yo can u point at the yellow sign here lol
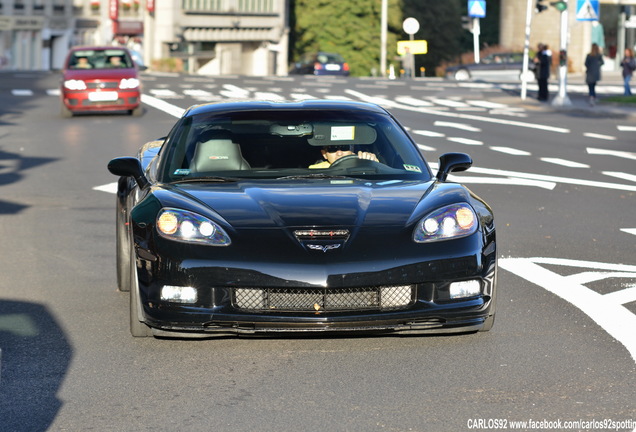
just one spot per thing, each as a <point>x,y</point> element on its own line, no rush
<point>414,46</point>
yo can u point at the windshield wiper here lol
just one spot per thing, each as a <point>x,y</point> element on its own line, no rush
<point>215,179</point>
<point>313,176</point>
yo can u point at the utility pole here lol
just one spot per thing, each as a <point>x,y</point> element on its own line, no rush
<point>383,37</point>
<point>526,52</point>
<point>562,99</point>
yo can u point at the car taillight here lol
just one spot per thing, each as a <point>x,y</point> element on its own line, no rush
<point>345,66</point>
<point>317,66</point>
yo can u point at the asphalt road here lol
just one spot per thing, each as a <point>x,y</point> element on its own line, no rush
<point>562,352</point>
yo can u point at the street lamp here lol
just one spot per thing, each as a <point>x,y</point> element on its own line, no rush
<point>562,99</point>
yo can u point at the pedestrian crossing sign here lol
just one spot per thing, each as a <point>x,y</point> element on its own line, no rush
<point>477,8</point>
<point>587,10</point>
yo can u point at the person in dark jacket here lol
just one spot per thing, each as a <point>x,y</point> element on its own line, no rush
<point>629,66</point>
<point>543,62</point>
<point>593,63</point>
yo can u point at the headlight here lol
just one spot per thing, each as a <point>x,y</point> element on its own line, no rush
<point>75,84</point>
<point>450,222</point>
<point>189,227</point>
<point>129,83</point>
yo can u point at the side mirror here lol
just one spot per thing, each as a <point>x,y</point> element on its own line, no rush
<point>129,167</point>
<point>452,162</point>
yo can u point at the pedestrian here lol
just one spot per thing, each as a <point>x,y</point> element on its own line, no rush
<point>629,66</point>
<point>542,63</point>
<point>408,63</point>
<point>593,63</point>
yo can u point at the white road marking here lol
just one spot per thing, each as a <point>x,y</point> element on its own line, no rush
<point>486,104</point>
<point>620,175</point>
<point>268,96</point>
<point>564,162</point>
<point>197,93</point>
<point>164,106</point>
<point>302,96</point>
<point>426,148</point>
<point>461,126</point>
<point>608,310</point>
<point>599,136</point>
<point>501,181</point>
<point>465,141</point>
<point>233,92</point>
<point>629,230</point>
<point>617,153</point>
<point>429,133</point>
<point>510,151</point>
<point>413,101</point>
<point>53,92</point>
<point>109,188</point>
<point>626,128</point>
<point>431,111</point>
<point>165,94</point>
<point>557,180</point>
<point>449,103</point>
<point>22,92</point>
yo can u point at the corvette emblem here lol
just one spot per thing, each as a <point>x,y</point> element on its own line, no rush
<point>323,248</point>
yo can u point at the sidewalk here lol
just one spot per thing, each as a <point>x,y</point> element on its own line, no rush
<point>576,91</point>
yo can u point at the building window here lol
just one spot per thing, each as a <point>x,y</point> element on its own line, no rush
<point>205,5</point>
<point>229,6</point>
<point>256,6</point>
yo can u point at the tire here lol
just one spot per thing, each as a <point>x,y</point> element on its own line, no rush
<point>462,75</point>
<point>65,112</point>
<point>137,112</point>
<point>123,249</point>
<point>137,328</point>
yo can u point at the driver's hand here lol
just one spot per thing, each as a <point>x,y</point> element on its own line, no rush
<point>368,155</point>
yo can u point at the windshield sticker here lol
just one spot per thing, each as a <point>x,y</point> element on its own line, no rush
<point>412,168</point>
<point>343,133</point>
<point>182,172</point>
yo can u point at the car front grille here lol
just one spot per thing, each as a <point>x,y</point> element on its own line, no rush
<point>103,85</point>
<point>326,299</point>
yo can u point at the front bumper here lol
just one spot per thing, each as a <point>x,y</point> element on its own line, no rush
<point>218,309</point>
<point>80,101</point>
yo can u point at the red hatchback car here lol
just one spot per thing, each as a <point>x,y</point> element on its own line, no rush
<point>100,79</point>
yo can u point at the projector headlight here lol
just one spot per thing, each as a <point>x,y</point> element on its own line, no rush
<point>450,222</point>
<point>189,227</point>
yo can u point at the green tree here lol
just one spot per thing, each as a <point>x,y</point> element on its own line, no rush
<point>441,26</point>
<point>348,27</point>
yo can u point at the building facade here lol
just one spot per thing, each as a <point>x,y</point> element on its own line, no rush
<point>34,34</point>
<point>217,37</point>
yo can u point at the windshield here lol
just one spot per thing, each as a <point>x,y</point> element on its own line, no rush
<point>290,144</point>
<point>100,59</point>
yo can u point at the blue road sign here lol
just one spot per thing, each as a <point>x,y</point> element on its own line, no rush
<point>477,8</point>
<point>587,10</point>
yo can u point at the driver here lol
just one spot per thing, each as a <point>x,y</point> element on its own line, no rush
<point>333,153</point>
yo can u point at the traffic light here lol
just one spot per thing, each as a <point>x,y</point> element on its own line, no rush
<point>540,7</point>
<point>560,5</point>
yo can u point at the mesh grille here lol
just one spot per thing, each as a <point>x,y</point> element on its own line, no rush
<point>330,299</point>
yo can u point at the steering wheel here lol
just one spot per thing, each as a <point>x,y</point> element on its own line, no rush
<point>343,159</point>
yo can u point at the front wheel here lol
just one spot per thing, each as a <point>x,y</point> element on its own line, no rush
<point>137,112</point>
<point>65,112</point>
<point>123,256</point>
<point>137,328</point>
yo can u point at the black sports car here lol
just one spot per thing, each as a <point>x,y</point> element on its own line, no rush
<point>307,216</point>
